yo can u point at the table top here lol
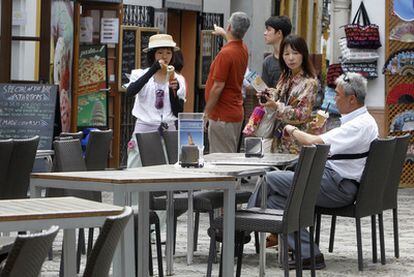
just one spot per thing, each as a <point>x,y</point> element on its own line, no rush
<point>150,174</point>
<point>227,170</point>
<point>54,207</point>
<point>269,159</point>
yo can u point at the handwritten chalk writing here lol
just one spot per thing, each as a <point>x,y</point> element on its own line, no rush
<point>27,110</point>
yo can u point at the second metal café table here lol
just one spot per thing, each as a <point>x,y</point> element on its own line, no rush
<point>145,180</point>
<point>69,213</point>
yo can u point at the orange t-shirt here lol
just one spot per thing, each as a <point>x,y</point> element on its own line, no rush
<point>229,66</point>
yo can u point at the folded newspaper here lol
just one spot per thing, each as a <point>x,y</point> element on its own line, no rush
<point>256,81</point>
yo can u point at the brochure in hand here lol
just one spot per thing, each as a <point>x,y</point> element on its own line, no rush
<point>256,81</point>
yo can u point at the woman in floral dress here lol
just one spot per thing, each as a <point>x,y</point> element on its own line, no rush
<point>292,100</point>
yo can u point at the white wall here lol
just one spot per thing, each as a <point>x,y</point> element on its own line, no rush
<point>217,6</point>
<point>376,88</point>
<point>258,12</point>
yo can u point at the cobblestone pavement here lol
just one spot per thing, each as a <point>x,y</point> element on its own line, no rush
<point>342,262</point>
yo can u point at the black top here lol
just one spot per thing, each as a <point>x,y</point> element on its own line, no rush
<point>271,71</point>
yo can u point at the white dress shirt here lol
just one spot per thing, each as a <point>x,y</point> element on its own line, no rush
<point>358,129</point>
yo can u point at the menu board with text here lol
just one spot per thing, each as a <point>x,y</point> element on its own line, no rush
<point>27,110</point>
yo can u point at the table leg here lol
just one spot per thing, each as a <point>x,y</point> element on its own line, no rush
<point>124,258</point>
<point>169,244</point>
<point>262,236</point>
<point>35,191</point>
<point>69,253</point>
<point>190,229</point>
<point>228,231</point>
<point>143,234</point>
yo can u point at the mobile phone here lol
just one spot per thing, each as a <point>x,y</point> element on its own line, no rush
<point>263,99</point>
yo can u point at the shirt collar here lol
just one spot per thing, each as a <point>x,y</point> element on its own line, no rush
<point>349,116</point>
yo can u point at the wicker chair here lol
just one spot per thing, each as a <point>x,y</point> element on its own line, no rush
<point>28,253</point>
<point>390,194</point>
<point>19,169</point>
<point>97,149</point>
<point>100,259</point>
<point>271,221</point>
<point>68,157</point>
<point>153,220</point>
<point>6,149</point>
<point>373,182</point>
<point>152,153</point>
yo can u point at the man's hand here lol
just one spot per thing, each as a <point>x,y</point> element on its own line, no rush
<point>219,31</point>
<point>302,137</point>
<point>205,122</point>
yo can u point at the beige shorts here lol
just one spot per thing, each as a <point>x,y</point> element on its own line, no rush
<point>223,137</point>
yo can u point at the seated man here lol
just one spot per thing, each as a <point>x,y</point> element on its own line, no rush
<point>341,178</point>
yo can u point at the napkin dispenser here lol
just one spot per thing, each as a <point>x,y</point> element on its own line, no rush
<point>253,147</point>
<point>190,156</point>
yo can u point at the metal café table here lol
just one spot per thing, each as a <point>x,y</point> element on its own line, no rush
<point>144,180</point>
<point>271,160</point>
<point>69,213</point>
<point>236,171</point>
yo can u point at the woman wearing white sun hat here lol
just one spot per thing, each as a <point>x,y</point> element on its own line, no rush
<point>159,92</point>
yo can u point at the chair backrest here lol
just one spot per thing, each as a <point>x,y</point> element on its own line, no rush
<point>100,259</point>
<point>300,179</point>
<point>374,177</point>
<point>20,167</point>
<point>307,209</point>
<point>391,188</point>
<point>6,149</point>
<point>28,253</point>
<point>77,135</point>
<point>97,149</point>
<point>68,155</point>
<point>171,143</point>
<point>150,148</point>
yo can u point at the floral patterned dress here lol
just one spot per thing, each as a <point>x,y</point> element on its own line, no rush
<point>297,96</point>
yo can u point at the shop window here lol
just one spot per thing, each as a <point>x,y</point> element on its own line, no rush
<point>26,18</point>
<point>24,40</point>
<point>25,60</point>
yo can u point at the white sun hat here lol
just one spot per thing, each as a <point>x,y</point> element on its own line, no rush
<point>160,41</point>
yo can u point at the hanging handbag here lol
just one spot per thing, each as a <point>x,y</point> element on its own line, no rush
<point>334,71</point>
<point>365,35</point>
<point>368,70</point>
<point>356,54</point>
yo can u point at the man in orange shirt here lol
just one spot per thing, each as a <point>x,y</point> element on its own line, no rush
<point>224,101</point>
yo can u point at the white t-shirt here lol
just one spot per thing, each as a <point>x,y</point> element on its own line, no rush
<point>144,106</point>
<point>358,129</point>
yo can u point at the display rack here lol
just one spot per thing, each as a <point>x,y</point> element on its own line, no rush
<point>392,110</point>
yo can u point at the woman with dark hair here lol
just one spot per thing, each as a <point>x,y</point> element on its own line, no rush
<point>292,100</point>
<point>158,90</point>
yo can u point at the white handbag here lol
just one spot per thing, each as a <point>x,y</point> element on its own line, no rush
<point>356,54</point>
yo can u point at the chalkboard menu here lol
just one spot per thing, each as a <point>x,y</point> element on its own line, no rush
<point>27,110</point>
<point>128,54</point>
<point>144,35</point>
